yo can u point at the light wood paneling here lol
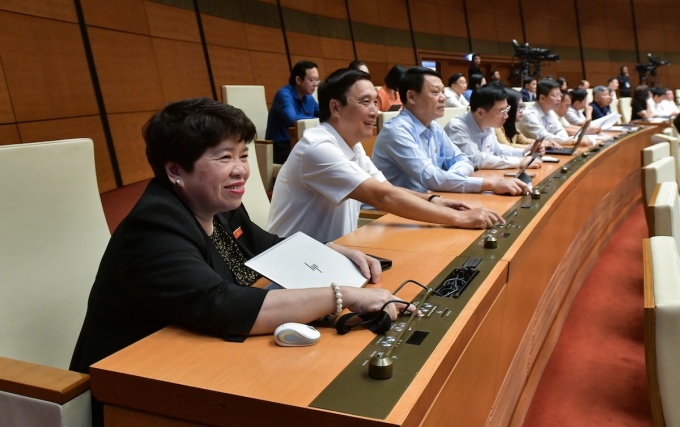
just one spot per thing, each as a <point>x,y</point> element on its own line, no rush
<point>270,70</point>
<point>230,66</point>
<point>182,69</point>
<point>122,15</point>
<point>304,45</point>
<point>127,71</point>
<point>223,32</point>
<point>80,127</point>
<point>6,111</point>
<point>126,130</point>
<point>62,10</point>
<point>265,39</point>
<point>9,134</point>
<point>45,68</point>
<point>171,22</point>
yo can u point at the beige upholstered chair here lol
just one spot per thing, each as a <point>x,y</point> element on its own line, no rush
<point>302,125</point>
<point>53,233</point>
<point>664,211</point>
<point>528,104</point>
<point>673,142</point>
<point>625,109</point>
<point>662,170</point>
<point>255,199</point>
<point>449,113</point>
<point>384,116</point>
<point>589,96</point>
<point>655,152</point>
<point>252,100</point>
<point>662,327</point>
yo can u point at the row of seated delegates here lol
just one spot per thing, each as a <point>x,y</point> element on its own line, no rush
<point>455,92</point>
<point>291,103</point>
<point>413,151</point>
<point>178,257</point>
<point>508,134</point>
<point>388,94</point>
<point>662,103</point>
<point>602,98</point>
<point>476,80</point>
<point>529,89</point>
<point>540,119</point>
<point>625,89</point>
<point>328,175</point>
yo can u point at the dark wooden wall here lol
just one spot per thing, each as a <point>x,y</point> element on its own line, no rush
<point>100,68</point>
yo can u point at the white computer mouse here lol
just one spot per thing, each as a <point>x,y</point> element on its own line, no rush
<point>296,334</point>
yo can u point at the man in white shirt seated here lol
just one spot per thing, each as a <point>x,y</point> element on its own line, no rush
<point>579,111</point>
<point>668,106</point>
<point>320,188</point>
<point>474,134</point>
<point>413,151</point>
<point>455,93</point>
<point>540,120</point>
<point>655,102</point>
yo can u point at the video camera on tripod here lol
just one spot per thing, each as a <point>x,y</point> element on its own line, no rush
<point>648,71</point>
<point>530,59</point>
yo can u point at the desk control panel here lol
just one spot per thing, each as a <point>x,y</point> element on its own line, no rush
<point>375,380</point>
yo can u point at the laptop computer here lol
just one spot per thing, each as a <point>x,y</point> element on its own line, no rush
<point>568,151</point>
<point>303,262</point>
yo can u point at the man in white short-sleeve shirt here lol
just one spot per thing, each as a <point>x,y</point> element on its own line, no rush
<point>327,176</point>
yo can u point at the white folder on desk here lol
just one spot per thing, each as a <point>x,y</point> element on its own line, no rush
<point>606,122</point>
<point>303,262</point>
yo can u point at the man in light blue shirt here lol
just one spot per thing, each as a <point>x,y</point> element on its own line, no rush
<point>413,152</point>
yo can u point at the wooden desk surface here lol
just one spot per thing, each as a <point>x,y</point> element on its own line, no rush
<point>485,368</point>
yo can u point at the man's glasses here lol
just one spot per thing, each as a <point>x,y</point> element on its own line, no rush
<point>504,111</point>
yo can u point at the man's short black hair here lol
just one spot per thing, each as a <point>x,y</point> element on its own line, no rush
<point>545,86</point>
<point>528,80</point>
<point>336,87</point>
<point>486,96</point>
<point>393,77</point>
<point>578,94</point>
<point>454,78</point>
<point>413,80</point>
<point>300,70</point>
<point>356,64</point>
<point>658,91</point>
<point>475,81</point>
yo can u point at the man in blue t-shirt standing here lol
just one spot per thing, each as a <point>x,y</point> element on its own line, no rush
<point>292,102</point>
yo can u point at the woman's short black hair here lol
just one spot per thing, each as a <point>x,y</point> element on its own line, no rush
<point>183,130</point>
<point>510,127</point>
<point>393,77</point>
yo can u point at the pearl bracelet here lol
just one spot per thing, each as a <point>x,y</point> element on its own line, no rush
<point>338,298</point>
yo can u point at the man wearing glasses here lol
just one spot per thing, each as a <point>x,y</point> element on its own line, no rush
<point>291,103</point>
<point>474,132</point>
<point>413,151</point>
<point>540,119</point>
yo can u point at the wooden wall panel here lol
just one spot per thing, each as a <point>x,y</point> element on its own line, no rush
<point>61,10</point>
<point>265,39</point>
<point>387,14</point>
<point>231,66</point>
<point>79,127</point>
<point>6,111</point>
<point>182,69</point>
<point>9,134</point>
<point>130,149</point>
<point>122,15</point>
<point>227,33</point>
<point>45,68</point>
<point>172,23</point>
<point>270,70</point>
<point>127,71</point>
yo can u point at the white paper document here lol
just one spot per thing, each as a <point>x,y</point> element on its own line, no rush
<point>606,122</point>
<point>303,262</point>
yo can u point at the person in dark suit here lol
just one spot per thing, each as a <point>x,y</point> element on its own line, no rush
<point>474,67</point>
<point>529,89</point>
<point>601,100</point>
<point>178,257</point>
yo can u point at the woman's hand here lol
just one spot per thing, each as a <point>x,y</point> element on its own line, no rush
<point>369,266</point>
<point>366,300</point>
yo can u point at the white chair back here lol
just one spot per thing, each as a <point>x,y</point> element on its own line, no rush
<point>662,170</point>
<point>625,109</point>
<point>53,233</point>
<point>662,328</point>
<point>655,152</point>
<point>589,96</point>
<point>255,199</point>
<point>302,125</point>
<point>384,116</point>
<point>449,113</point>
